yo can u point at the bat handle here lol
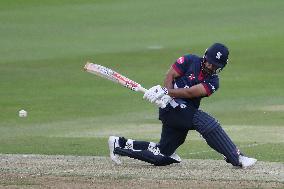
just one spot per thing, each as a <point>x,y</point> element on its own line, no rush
<point>141,89</point>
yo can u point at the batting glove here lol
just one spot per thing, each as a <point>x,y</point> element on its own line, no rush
<point>164,101</point>
<point>154,93</point>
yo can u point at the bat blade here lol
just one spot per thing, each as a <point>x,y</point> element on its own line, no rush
<point>113,76</point>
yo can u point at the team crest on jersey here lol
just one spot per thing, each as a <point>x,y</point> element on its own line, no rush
<point>191,76</point>
<point>180,60</point>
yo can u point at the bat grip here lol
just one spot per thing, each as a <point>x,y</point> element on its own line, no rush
<point>142,89</point>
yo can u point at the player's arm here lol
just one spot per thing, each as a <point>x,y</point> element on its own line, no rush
<point>170,76</point>
<point>194,91</point>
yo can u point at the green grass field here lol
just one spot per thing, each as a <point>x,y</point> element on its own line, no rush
<point>44,45</point>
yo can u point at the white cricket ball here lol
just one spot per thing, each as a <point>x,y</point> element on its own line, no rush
<point>23,113</point>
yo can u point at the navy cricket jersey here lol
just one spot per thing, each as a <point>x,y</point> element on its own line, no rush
<point>189,67</point>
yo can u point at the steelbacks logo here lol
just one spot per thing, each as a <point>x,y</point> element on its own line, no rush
<point>191,76</point>
<point>180,60</point>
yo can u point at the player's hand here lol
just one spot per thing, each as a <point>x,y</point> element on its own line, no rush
<point>158,95</point>
<point>163,101</point>
<point>154,93</point>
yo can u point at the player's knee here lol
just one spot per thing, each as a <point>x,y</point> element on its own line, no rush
<point>160,158</point>
<point>156,158</point>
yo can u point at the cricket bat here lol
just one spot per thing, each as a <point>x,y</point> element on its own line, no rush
<point>112,75</point>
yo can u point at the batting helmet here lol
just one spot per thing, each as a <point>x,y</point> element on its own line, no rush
<point>217,55</point>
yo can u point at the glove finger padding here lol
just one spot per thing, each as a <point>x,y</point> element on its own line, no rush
<point>160,104</point>
<point>150,96</point>
<point>150,92</point>
<point>160,91</point>
<point>164,101</point>
<point>153,93</point>
<point>158,95</point>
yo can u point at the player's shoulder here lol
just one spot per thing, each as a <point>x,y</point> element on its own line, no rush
<point>191,58</point>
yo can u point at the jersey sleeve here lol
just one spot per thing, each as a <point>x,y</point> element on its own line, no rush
<point>181,64</point>
<point>211,85</point>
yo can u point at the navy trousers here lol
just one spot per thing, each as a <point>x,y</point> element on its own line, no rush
<point>178,121</point>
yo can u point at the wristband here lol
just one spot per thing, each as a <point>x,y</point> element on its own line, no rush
<point>166,92</point>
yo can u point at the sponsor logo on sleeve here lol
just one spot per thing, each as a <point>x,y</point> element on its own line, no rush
<point>180,60</point>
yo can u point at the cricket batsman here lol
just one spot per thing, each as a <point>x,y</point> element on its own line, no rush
<point>188,80</point>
